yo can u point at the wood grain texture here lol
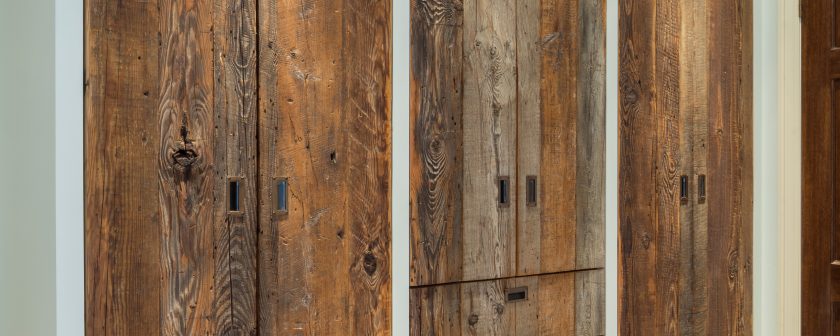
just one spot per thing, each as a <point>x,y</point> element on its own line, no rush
<point>685,85</point>
<point>490,139</point>
<point>151,224</point>
<point>436,159</point>
<point>235,46</point>
<point>819,167</point>
<point>324,267</point>
<point>557,304</point>
<point>122,211</point>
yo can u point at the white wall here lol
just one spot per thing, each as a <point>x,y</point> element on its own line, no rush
<point>27,148</point>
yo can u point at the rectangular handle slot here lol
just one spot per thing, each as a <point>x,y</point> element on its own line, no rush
<point>517,294</point>
<point>504,191</point>
<point>531,191</point>
<point>282,196</point>
<point>684,189</point>
<point>701,188</point>
<point>233,195</point>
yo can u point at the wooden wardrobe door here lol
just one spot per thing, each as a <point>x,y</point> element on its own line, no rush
<point>325,113</point>
<point>165,129</point>
<point>685,167</point>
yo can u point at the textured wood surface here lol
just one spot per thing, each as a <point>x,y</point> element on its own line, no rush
<point>685,110</point>
<point>557,304</point>
<point>173,113</point>
<point>820,105</point>
<point>515,89</point>
<point>325,126</point>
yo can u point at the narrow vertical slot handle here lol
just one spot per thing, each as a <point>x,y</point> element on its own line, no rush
<point>684,189</point>
<point>504,191</point>
<point>233,194</point>
<point>282,196</point>
<point>701,189</point>
<point>531,191</point>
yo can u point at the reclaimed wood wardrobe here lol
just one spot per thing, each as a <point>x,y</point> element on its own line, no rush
<point>237,167</point>
<point>507,167</point>
<point>685,167</point>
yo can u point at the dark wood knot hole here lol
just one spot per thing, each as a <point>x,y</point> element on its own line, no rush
<point>370,263</point>
<point>184,157</point>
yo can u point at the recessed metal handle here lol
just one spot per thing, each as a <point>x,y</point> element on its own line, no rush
<point>233,194</point>
<point>684,189</point>
<point>517,294</point>
<point>282,196</point>
<point>504,191</point>
<point>531,191</point>
<point>701,189</point>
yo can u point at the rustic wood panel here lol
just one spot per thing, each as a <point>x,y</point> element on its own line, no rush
<point>235,45</point>
<point>436,160</point>
<point>490,138</point>
<point>819,167</point>
<point>557,304</point>
<point>324,267</point>
<point>152,217</point>
<point>685,109</point>
<point>122,209</point>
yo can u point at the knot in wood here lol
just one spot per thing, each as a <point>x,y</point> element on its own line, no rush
<point>370,263</point>
<point>473,319</point>
<point>500,309</point>
<point>184,157</point>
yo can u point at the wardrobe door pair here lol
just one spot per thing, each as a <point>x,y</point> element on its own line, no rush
<point>507,164</point>
<point>237,167</point>
<point>685,167</point>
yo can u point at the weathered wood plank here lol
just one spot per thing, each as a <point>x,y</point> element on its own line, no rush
<point>730,168</point>
<point>490,140</point>
<point>235,62</point>
<point>483,310</point>
<point>590,189</point>
<point>694,114</point>
<point>436,157</point>
<point>367,135</point>
<point>122,215</point>
<point>556,296</point>
<point>637,157</point>
<point>303,264</point>
<point>590,303</point>
<point>186,160</point>
<point>438,310</point>
<point>529,135</point>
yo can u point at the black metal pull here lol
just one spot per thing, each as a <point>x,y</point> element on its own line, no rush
<point>504,191</point>
<point>531,191</point>
<point>517,294</point>
<point>282,195</point>
<point>684,189</point>
<point>701,188</point>
<point>233,194</point>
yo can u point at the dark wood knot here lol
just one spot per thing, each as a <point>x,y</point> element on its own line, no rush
<point>473,319</point>
<point>370,263</point>
<point>184,157</point>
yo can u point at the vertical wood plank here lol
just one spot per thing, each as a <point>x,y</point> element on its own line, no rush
<point>483,310</point>
<point>490,140</point>
<point>436,157</point>
<point>590,189</point>
<point>367,131</point>
<point>122,214</point>
<point>235,64</point>
<point>590,303</point>
<point>558,164</point>
<point>529,135</point>
<point>694,114</point>
<point>637,155</point>
<point>556,295</point>
<point>438,310</point>
<point>730,168</point>
<point>303,265</point>
<point>186,160</point>
<point>526,314</point>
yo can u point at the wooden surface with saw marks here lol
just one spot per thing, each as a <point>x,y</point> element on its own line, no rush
<point>181,97</point>
<point>685,74</point>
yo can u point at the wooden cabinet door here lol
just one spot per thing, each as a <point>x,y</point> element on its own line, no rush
<point>237,167</point>
<point>820,138</point>
<point>507,154</point>
<point>685,167</point>
<point>556,304</point>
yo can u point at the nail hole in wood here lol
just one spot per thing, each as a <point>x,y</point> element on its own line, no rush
<point>332,157</point>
